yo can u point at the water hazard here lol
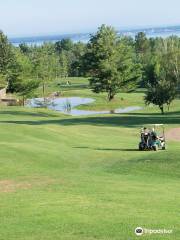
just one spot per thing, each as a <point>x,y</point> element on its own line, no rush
<point>69,106</point>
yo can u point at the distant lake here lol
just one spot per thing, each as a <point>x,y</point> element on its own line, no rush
<point>84,37</point>
<point>39,40</point>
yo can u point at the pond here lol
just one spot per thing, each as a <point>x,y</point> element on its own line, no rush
<point>68,106</point>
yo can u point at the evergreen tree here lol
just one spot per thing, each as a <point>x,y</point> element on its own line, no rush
<point>9,69</point>
<point>110,63</point>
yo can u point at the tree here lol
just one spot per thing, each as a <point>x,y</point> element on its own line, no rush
<point>110,63</point>
<point>8,64</point>
<point>143,53</point>
<point>64,45</point>
<point>141,43</point>
<point>160,94</point>
<point>24,48</point>
<point>25,88</point>
<point>171,61</point>
<point>5,53</point>
<point>161,89</point>
<point>45,66</point>
<point>63,61</point>
<point>12,75</point>
<point>76,66</point>
<point>20,68</point>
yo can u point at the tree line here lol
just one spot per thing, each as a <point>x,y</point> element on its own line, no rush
<point>113,63</point>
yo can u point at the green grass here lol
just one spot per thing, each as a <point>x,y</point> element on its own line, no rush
<point>81,178</point>
<point>60,85</point>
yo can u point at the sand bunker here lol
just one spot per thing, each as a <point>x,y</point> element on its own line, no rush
<point>173,134</point>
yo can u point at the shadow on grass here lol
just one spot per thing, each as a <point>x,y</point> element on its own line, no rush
<point>118,149</point>
<point>110,149</point>
<point>24,113</point>
<point>132,120</point>
<point>154,114</point>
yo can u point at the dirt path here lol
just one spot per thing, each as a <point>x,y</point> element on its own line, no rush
<point>173,134</point>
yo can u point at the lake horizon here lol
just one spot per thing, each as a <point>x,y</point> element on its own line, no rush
<point>153,32</point>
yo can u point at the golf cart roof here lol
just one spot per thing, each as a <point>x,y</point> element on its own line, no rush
<point>157,125</point>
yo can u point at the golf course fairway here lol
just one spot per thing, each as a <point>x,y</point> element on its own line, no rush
<point>82,178</point>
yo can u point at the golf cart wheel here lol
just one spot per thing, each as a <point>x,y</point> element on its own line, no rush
<point>155,148</point>
<point>141,147</point>
<point>164,148</point>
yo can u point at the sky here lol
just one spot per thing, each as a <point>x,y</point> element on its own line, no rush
<point>44,17</point>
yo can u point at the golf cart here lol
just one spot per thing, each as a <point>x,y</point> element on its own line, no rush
<point>150,140</point>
